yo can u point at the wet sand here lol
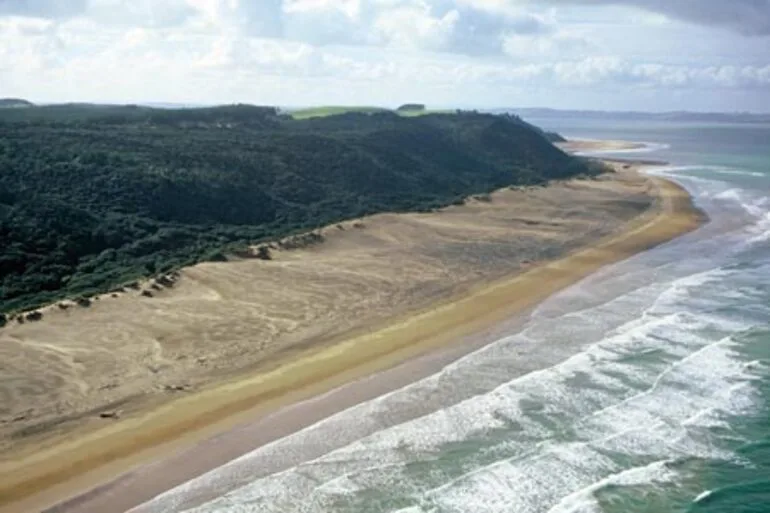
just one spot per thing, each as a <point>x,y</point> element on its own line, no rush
<point>166,443</point>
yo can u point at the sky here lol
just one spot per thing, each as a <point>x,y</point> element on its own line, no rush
<point>652,55</point>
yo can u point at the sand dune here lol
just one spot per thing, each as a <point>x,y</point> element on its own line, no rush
<point>128,353</point>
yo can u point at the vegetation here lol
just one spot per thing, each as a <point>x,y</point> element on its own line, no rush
<point>14,103</point>
<point>554,137</point>
<point>412,113</point>
<point>411,107</point>
<point>92,198</point>
<point>407,110</point>
<point>320,112</point>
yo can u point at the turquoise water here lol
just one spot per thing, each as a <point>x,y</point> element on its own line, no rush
<point>644,388</point>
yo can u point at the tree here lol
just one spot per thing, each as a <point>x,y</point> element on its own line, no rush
<point>411,107</point>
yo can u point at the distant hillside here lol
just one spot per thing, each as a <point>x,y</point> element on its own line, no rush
<point>702,117</point>
<point>92,197</point>
<point>108,115</point>
<point>14,102</point>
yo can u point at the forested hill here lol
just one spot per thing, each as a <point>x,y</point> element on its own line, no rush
<point>94,197</point>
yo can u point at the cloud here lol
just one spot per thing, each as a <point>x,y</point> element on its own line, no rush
<point>616,74</point>
<point>43,8</point>
<point>456,26</point>
<point>749,17</point>
<point>325,22</point>
<point>416,27</point>
<point>562,43</point>
<point>28,45</point>
<point>482,31</point>
<point>259,18</point>
<point>140,13</point>
<point>341,51</point>
<point>470,27</point>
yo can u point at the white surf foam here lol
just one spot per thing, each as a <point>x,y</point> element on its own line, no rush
<point>736,172</point>
<point>703,496</point>
<point>584,501</point>
<point>648,386</point>
<point>656,423</point>
<point>647,423</point>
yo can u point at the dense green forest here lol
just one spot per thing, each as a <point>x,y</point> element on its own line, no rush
<point>94,197</point>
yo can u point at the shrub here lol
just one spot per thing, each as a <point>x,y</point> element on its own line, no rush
<point>34,316</point>
<point>166,280</point>
<point>263,253</point>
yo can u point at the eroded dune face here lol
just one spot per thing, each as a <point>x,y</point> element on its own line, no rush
<point>221,318</point>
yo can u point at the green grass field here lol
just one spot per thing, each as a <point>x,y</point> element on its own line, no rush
<point>320,112</point>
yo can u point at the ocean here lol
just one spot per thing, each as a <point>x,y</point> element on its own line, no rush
<point>644,388</point>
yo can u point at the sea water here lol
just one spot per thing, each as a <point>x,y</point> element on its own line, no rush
<point>644,388</point>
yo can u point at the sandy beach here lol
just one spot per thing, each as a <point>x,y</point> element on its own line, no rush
<point>237,350</point>
<point>592,145</point>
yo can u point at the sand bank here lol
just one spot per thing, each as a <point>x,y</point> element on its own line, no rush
<point>597,145</point>
<point>244,339</point>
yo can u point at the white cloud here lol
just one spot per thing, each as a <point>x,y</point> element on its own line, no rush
<point>493,52</point>
<point>42,8</point>
<point>140,12</point>
<point>325,22</point>
<point>566,44</point>
<point>29,45</point>
<point>751,17</point>
<point>415,27</point>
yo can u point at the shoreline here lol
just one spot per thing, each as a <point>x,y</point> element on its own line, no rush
<point>582,146</point>
<point>310,384</point>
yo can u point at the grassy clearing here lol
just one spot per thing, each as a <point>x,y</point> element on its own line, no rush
<point>320,112</point>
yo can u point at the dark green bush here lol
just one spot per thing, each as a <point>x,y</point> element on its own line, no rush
<point>93,198</point>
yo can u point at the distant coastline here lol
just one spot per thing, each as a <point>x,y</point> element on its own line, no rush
<point>682,116</point>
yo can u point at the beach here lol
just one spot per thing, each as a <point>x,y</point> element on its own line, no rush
<point>314,359</point>
<point>600,145</point>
